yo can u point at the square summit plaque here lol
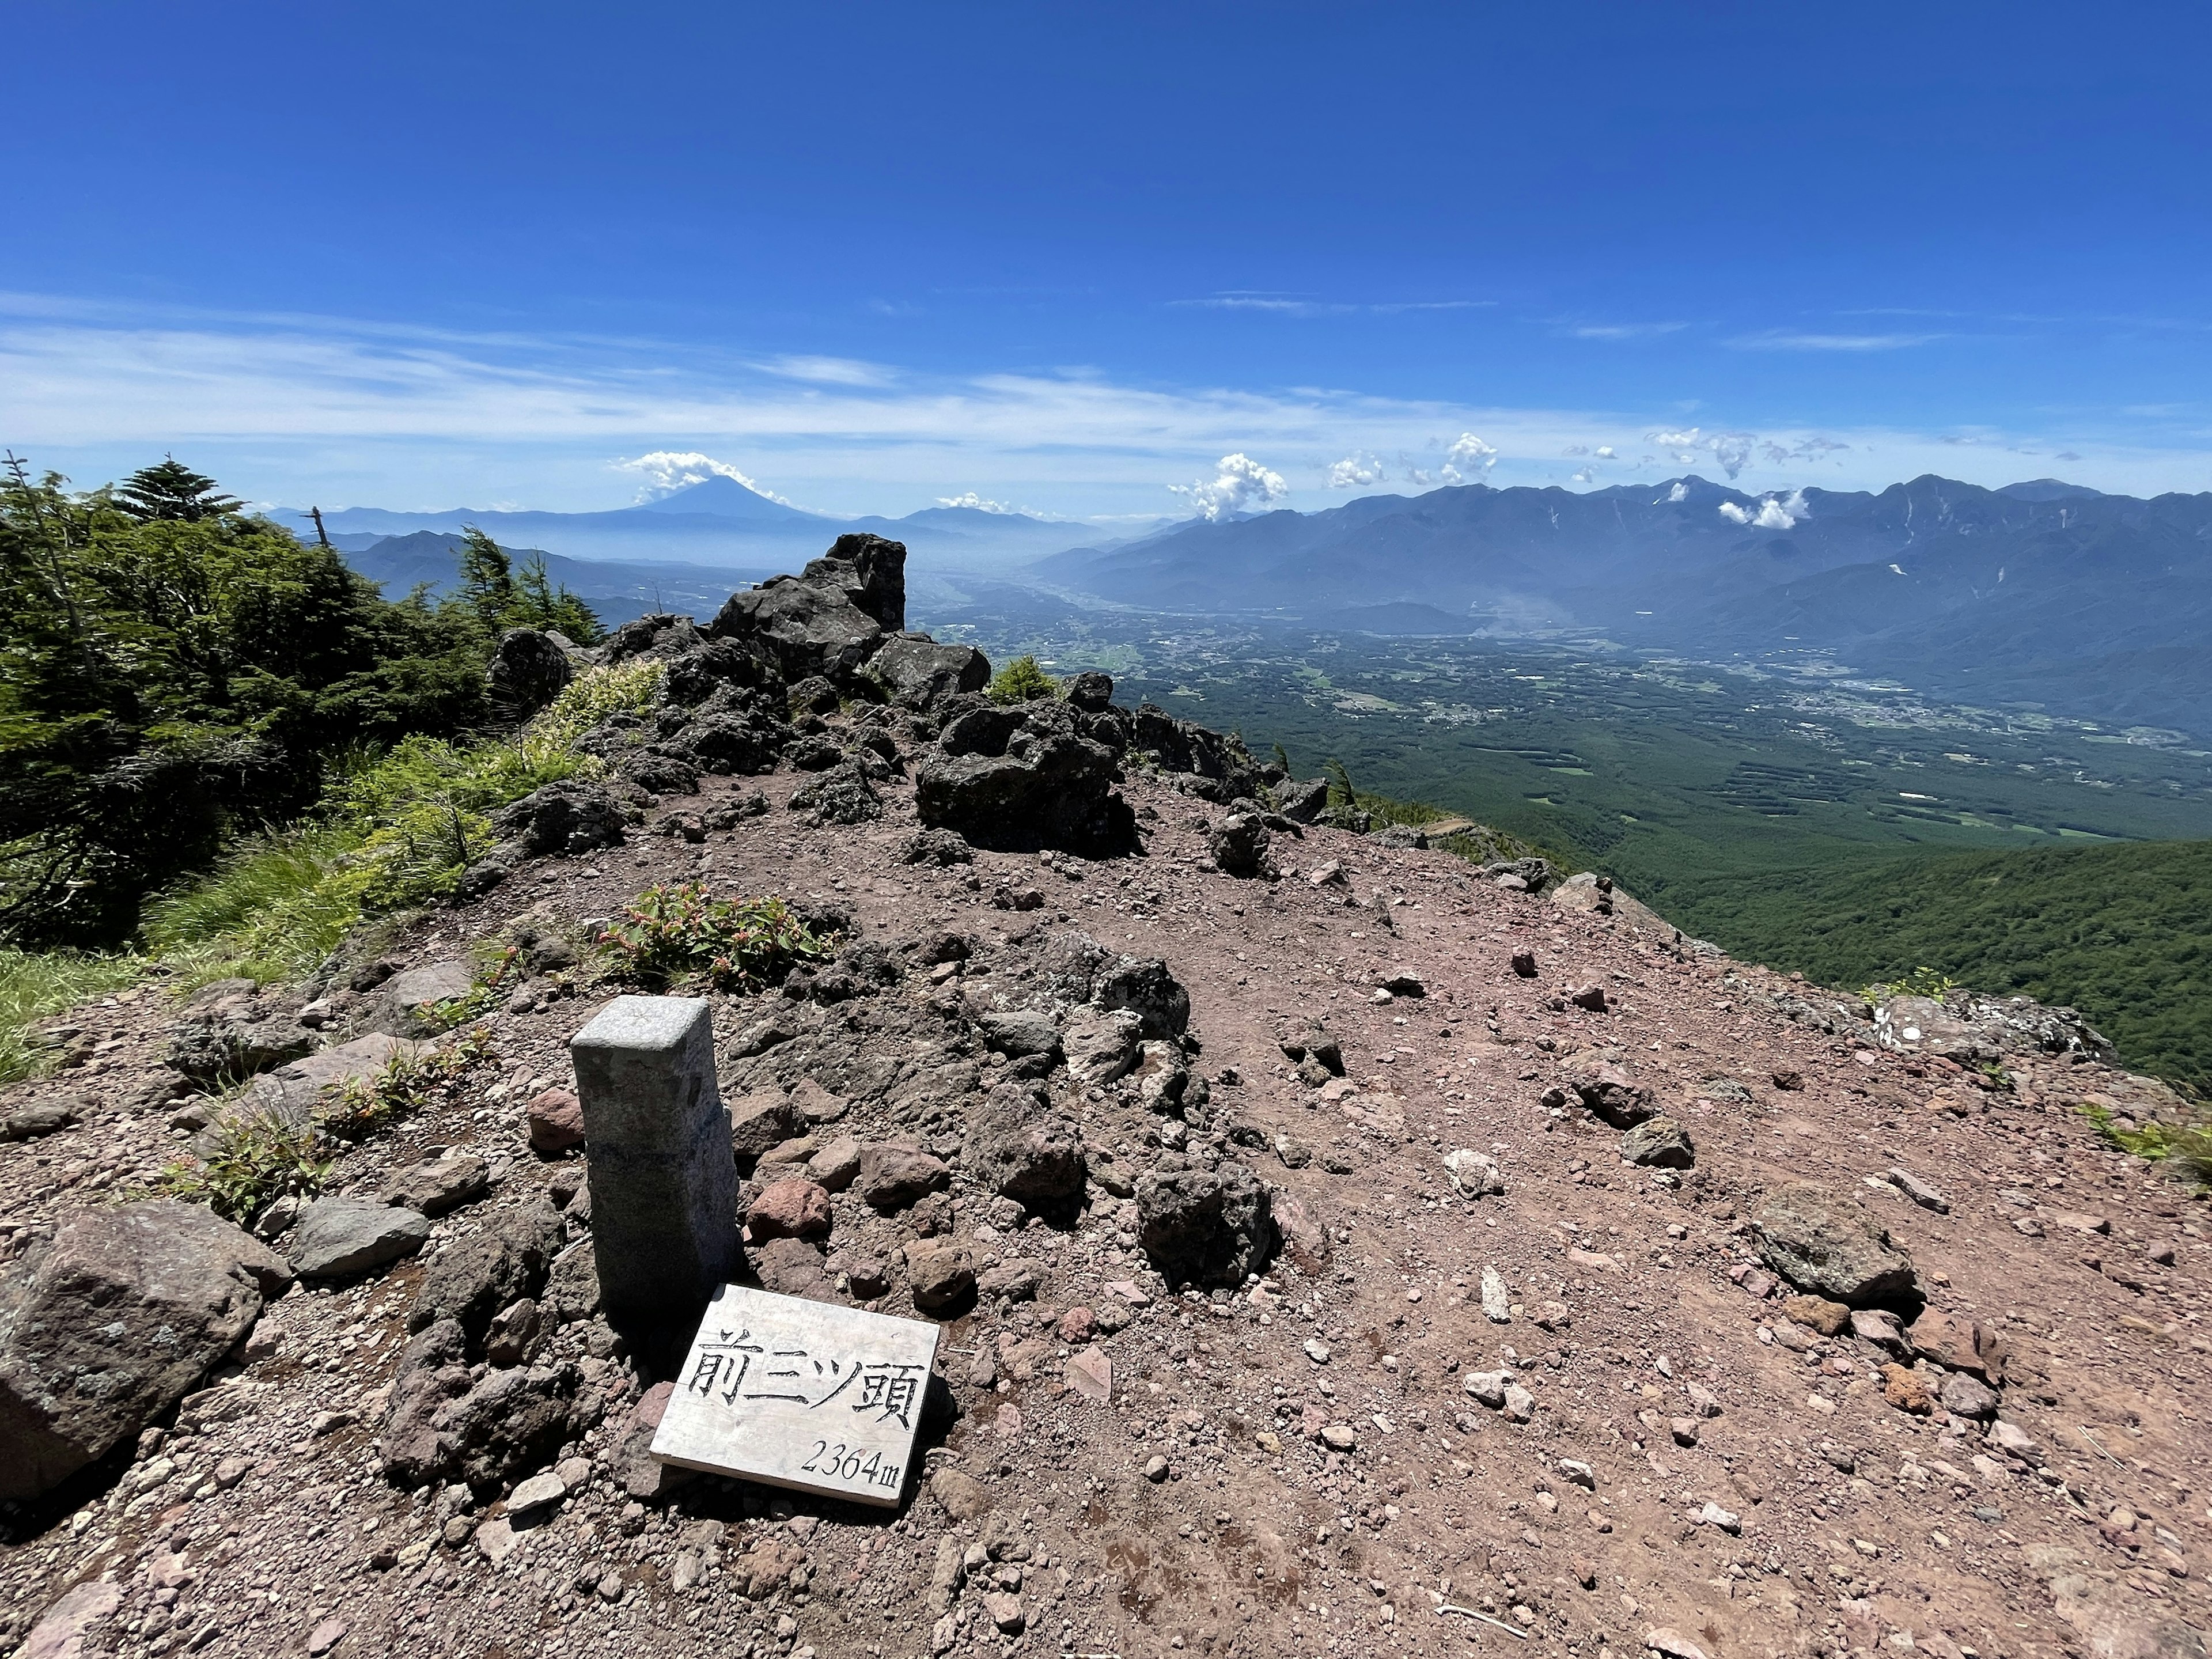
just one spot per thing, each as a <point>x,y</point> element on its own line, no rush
<point>804,1394</point>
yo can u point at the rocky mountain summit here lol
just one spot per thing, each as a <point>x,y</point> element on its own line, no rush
<point>1340,1247</point>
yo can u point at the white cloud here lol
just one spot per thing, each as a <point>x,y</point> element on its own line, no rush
<point>1732,450</point>
<point>1605,452</point>
<point>1583,477</point>
<point>1284,305</point>
<point>1785,513</point>
<point>1467,454</point>
<point>1624,330</point>
<point>667,470</point>
<point>290,409</point>
<point>1239,483</point>
<point>1774,513</point>
<point>1679,493</point>
<point>970,499</point>
<point>829,371</point>
<point>1806,449</point>
<point>1357,471</point>
<point>1777,340</point>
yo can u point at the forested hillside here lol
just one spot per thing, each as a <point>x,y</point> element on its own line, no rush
<point>175,673</point>
<point>2122,931</point>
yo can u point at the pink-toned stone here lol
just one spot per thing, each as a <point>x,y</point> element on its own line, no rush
<point>646,1413</point>
<point>61,1633</point>
<point>556,1121</point>
<point>793,1207</point>
<point>1075,1326</point>
<point>1090,1374</point>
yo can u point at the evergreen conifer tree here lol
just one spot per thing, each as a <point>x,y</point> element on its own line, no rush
<point>171,489</point>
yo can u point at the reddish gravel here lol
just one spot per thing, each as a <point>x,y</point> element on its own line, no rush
<point>1196,1479</point>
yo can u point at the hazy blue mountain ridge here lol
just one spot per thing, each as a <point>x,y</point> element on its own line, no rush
<point>719,521</point>
<point>2049,596</point>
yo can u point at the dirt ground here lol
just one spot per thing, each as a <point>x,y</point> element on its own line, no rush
<point>1299,1468</point>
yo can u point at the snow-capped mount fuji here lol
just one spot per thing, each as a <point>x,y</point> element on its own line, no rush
<point>721,497</point>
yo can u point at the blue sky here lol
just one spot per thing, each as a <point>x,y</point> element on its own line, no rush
<point>1067,258</point>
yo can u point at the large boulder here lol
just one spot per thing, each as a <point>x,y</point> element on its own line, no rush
<point>1302,803</point>
<point>231,1030</point>
<point>1020,1151</point>
<point>743,743</point>
<point>696,675</point>
<point>831,618</point>
<point>660,634</point>
<point>444,1423</point>
<point>916,672</point>
<point>1020,779</point>
<point>842,794</point>
<point>1827,1245</point>
<point>567,817</point>
<point>528,669</point>
<point>1659,1143</point>
<point>296,1093</point>
<point>894,1175</point>
<point>1019,1033</point>
<point>1239,843</point>
<point>339,1237</point>
<point>1184,746</point>
<point>1201,1226</point>
<point>1144,986</point>
<point>112,1322</point>
<point>1102,1045</point>
<point>472,1278</point>
<point>1091,692</point>
<point>1611,1094</point>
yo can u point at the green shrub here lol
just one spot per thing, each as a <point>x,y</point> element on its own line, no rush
<point>177,670</point>
<point>679,933</point>
<point>1022,681</point>
<point>258,1158</point>
<point>272,909</point>
<point>1920,982</point>
<point>407,1085</point>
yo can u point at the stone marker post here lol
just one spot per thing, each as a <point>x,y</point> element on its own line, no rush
<point>657,1136</point>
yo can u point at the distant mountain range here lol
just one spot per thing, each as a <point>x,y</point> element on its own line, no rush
<point>2042,595</point>
<point>618,590</point>
<point>719,523</point>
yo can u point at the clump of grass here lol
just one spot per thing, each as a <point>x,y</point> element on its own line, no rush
<point>408,1083</point>
<point>34,984</point>
<point>259,1158</point>
<point>396,831</point>
<point>481,996</point>
<point>2185,1149</point>
<point>680,932</point>
<point>1022,681</point>
<point>272,909</point>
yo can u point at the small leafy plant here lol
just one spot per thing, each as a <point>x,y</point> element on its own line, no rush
<point>408,1083</point>
<point>258,1158</point>
<point>1920,982</point>
<point>481,996</point>
<point>678,933</point>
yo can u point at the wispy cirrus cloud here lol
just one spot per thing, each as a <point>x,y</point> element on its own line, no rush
<point>1293,305</point>
<point>1791,340</point>
<point>1620,330</point>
